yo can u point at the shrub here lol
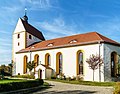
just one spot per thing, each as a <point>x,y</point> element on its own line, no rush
<point>26,76</point>
<point>79,78</point>
<point>61,76</point>
<point>117,88</point>
<point>73,78</point>
<point>20,85</point>
<point>53,76</point>
<point>68,78</point>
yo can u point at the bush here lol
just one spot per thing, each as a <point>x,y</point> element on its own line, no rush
<point>117,88</point>
<point>20,85</point>
<point>53,76</point>
<point>68,78</point>
<point>79,78</point>
<point>73,78</point>
<point>61,76</point>
<point>26,76</point>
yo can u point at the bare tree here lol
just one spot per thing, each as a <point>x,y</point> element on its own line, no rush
<point>30,65</point>
<point>94,62</point>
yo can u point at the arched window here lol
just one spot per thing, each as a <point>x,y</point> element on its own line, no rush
<point>114,64</point>
<point>36,60</point>
<point>47,59</point>
<point>79,62</point>
<point>25,60</point>
<point>59,63</point>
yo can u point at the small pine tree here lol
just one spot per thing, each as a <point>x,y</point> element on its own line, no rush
<point>94,62</point>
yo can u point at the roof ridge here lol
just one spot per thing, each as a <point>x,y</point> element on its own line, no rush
<point>99,35</point>
<point>72,35</point>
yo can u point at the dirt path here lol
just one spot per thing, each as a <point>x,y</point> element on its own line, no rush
<point>64,88</point>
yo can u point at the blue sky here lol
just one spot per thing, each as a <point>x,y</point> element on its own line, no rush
<point>57,18</point>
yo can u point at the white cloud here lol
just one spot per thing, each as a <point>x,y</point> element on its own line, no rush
<point>5,51</point>
<point>10,8</point>
<point>6,44</point>
<point>38,4</point>
<point>58,27</point>
<point>6,10</point>
<point>109,28</point>
<point>4,32</point>
<point>5,40</point>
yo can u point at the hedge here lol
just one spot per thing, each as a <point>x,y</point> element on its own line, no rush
<point>20,85</point>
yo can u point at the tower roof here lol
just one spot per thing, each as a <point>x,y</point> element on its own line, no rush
<point>75,40</point>
<point>25,18</point>
<point>32,30</point>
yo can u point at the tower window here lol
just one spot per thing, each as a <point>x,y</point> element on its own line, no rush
<point>18,36</point>
<point>30,37</point>
<point>18,43</point>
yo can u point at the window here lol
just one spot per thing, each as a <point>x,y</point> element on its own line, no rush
<point>73,41</point>
<point>36,60</point>
<point>18,43</point>
<point>50,44</point>
<point>79,62</point>
<point>18,36</point>
<point>25,60</point>
<point>30,37</point>
<point>47,59</point>
<point>59,63</point>
<point>114,64</point>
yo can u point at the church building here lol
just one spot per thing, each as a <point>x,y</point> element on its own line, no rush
<point>65,55</point>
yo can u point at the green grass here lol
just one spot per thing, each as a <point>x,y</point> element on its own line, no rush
<point>10,80</point>
<point>86,82</point>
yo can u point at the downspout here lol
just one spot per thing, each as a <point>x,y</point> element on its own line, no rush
<point>99,62</point>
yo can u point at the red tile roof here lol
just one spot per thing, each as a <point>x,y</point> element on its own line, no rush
<point>30,29</point>
<point>80,39</point>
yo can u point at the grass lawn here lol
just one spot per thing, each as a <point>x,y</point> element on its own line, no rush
<point>10,80</point>
<point>86,82</point>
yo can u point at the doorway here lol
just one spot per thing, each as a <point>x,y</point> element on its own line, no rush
<point>40,74</point>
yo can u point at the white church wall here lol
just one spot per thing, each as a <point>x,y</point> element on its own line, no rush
<point>69,59</point>
<point>18,44</point>
<point>108,49</point>
<point>19,27</point>
<point>19,64</point>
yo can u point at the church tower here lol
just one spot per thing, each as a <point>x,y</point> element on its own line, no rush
<point>23,36</point>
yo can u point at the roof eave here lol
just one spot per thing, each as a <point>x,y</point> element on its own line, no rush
<point>61,46</point>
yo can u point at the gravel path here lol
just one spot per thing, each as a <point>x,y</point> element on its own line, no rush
<point>64,88</point>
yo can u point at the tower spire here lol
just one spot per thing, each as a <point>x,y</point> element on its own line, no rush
<point>25,11</point>
<point>25,18</point>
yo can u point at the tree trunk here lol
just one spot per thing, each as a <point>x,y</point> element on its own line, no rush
<point>93,75</point>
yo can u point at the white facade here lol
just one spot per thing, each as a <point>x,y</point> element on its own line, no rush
<point>69,60</point>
